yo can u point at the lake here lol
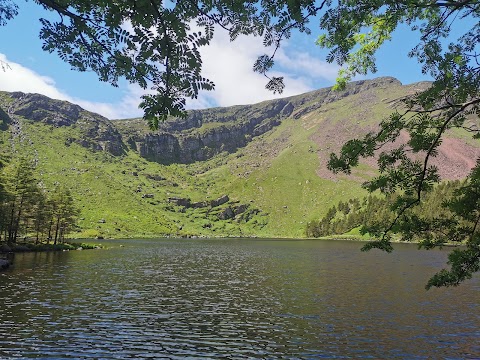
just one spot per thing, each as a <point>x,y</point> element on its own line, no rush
<point>235,299</point>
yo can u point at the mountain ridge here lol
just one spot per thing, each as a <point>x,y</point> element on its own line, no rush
<point>195,139</point>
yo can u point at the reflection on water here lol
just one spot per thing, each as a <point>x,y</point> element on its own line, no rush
<point>235,299</point>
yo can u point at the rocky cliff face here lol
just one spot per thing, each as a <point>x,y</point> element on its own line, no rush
<point>200,136</point>
<point>206,133</point>
<point>95,132</point>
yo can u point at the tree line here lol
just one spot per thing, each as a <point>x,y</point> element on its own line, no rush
<point>28,210</point>
<point>448,214</point>
<point>374,213</point>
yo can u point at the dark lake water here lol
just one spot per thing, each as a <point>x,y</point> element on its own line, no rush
<point>235,299</point>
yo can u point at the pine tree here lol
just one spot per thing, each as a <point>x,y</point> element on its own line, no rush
<point>63,214</point>
<point>21,193</point>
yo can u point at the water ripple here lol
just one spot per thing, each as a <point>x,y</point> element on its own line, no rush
<point>234,300</point>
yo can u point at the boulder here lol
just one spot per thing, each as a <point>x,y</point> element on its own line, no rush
<point>226,214</point>
<point>155,177</point>
<point>240,209</point>
<point>180,201</point>
<point>220,201</point>
<point>200,204</point>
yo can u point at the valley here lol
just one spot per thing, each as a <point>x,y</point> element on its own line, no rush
<point>244,171</point>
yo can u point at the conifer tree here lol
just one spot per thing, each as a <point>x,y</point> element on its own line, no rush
<point>21,192</point>
<point>63,213</point>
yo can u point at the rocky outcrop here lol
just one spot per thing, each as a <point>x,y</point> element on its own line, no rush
<point>155,177</point>
<point>206,133</point>
<point>96,132</point>
<point>220,201</point>
<point>226,214</point>
<point>232,211</point>
<point>220,209</point>
<point>187,203</point>
<point>157,147</point>
<point>99,134</point>
<point>40,108</point>
<point>4,120</point>
<point>180,201</point>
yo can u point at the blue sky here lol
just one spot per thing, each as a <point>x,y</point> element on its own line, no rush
<point>229,65</point>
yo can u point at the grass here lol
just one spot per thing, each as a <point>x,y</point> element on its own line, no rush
<point>282,191</point>
<point>108,190</point>
<point>276,175</point>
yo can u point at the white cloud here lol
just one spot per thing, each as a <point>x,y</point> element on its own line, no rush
<point>228,64</point>
<point>16,77</point>
<point>304,63</point>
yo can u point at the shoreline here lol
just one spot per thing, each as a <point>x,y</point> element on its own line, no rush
<point>7,251</point>
<point>6,248</point>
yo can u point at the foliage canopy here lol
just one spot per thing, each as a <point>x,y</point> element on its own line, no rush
<point>156,45</point>
<point>452,101</point>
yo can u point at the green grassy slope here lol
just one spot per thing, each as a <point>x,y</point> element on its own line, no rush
<point>280,176</point>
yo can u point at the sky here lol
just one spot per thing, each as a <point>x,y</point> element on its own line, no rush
<point>228,65</point>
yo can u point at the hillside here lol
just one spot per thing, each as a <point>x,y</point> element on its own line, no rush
<point>253,170</point>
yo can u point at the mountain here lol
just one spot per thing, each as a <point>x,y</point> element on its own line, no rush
<point>251,170</point>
